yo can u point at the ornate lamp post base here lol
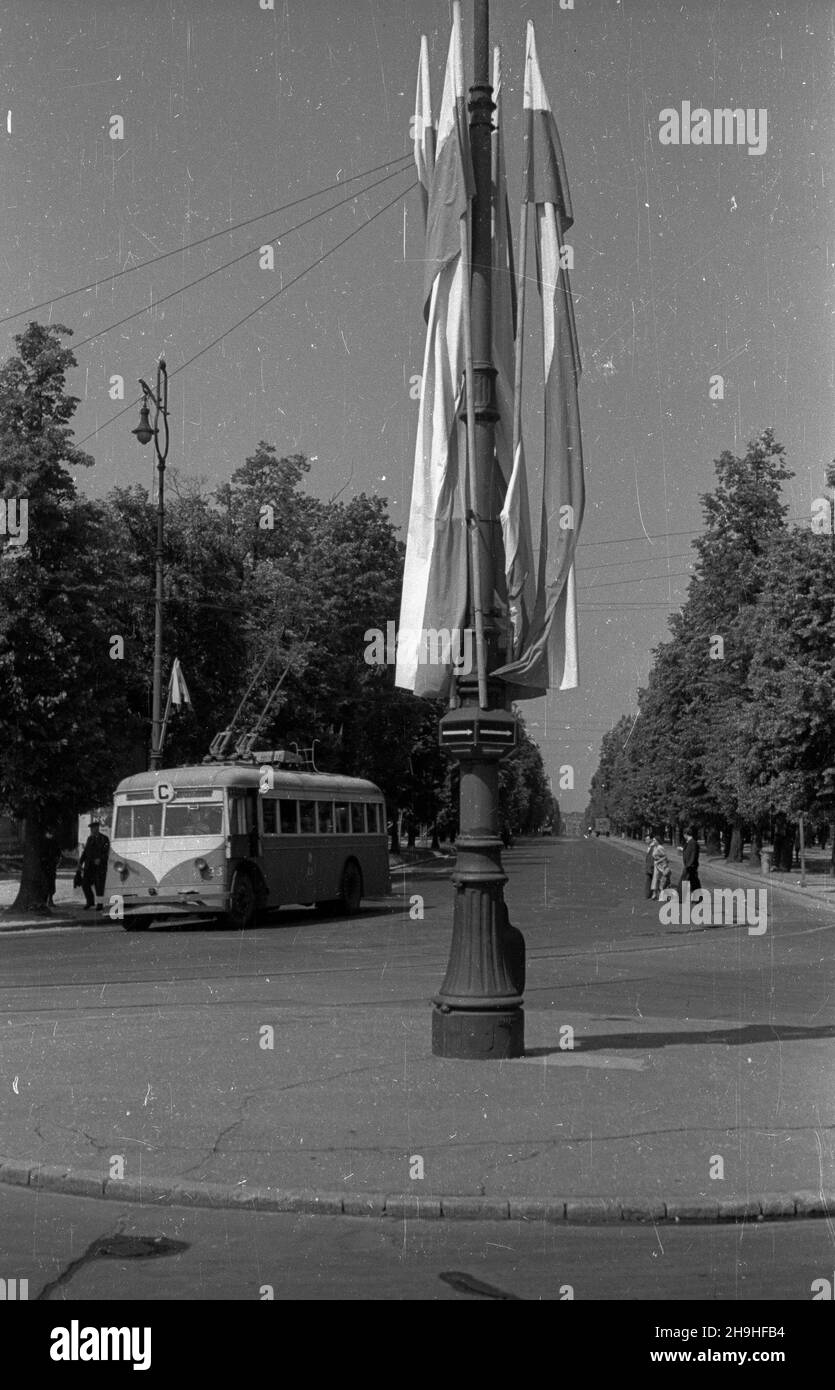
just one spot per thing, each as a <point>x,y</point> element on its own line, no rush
<point>478,1010</point>
<point>466,1034</point>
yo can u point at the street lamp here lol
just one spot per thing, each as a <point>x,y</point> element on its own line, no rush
<point>478,1011</point>
<point>830,482</point>
<point>145,432</point>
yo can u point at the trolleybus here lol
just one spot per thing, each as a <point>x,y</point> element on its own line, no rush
<point>227,840</point>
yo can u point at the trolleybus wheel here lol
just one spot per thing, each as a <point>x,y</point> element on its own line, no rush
<point>243,901</point>
<point>350,893</point>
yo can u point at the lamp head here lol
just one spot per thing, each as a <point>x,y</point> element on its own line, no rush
<point>143,430</point>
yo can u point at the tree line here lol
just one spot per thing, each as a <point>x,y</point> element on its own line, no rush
<point>734,730</point>
<point>258,574</point>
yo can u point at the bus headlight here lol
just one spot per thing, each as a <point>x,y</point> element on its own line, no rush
<point>121,868</point>
<point>203,868</point>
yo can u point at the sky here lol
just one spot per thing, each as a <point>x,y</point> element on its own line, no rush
<point>690,261</point>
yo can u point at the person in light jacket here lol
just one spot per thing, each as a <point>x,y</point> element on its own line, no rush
<point>649,864</point>
<point>662,871</point>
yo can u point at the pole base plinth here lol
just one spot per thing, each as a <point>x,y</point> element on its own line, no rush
<point>471,1035</point>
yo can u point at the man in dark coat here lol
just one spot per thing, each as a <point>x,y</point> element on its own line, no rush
<point>690,863</point>
<point>93,865</point>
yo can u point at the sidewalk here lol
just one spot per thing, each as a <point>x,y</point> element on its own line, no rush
<point>814,891</point>
<point>68,909</point>
<point>351,1114</point>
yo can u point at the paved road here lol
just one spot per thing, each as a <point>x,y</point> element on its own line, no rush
<point>689,1044</point>
<point>51,1241</point>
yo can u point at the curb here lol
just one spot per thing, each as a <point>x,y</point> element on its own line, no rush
<point>43,923</point>
<point>589,1211</point>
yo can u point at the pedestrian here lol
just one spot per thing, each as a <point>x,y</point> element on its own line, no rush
<point>779,840</point>
<point>690,862</point>
<point>50,856</point>
<point>649,864</point>
<point>662,871</point>
<point>93,866</point>
<point>792,846</point>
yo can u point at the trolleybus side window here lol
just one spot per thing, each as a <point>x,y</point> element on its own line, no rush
<point>288,812</point>
<point>307,817</point>
<point>357,818</point>
<point>268,809</point>
<point>325,817</point>
<point>341,821</point>
<point>373,814</point>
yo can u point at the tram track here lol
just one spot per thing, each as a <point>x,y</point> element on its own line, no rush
<point>435,957</point>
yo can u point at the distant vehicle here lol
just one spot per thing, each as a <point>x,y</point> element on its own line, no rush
<point>602,825</point>
<point>227,839</point>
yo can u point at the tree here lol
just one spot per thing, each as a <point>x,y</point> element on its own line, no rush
<point>788,728</point>
<point>205,614</point>
<point>525,799</point>
<point>66,720</point>
<point>687,753</point>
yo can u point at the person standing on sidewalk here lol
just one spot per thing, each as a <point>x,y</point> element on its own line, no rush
<point>50,856</point>
<point>662,871</point>
<point>93,866</point>
<point>649,864</point>
<point>690,863</point>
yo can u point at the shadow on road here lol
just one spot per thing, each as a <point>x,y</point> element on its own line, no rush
<point>279,917</point>
<point>732,1037</point>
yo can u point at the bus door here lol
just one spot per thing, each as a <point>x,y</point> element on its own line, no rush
<point>243,840</point>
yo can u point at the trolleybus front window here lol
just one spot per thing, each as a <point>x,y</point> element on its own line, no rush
<point>138,822</point>
<point>194,819</point>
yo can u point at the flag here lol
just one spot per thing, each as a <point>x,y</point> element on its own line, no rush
<point>548,657</point>
<point>424,128</point>
<point>434,599</point>
<point>177,689</point>
<point>517,595</point>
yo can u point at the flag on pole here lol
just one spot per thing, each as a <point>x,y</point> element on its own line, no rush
<point>177,689</point>
<point>548,658</point>
<point>433,610</point>
<point>520,572</point>
<point>424,128</point>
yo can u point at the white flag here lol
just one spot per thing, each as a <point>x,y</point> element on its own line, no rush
<point>424,128</point>
<point>548,658</point>
<point>177,688</point>
<point>433,607</point>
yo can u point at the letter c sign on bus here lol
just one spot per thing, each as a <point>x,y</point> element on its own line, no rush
<point>163,791</point>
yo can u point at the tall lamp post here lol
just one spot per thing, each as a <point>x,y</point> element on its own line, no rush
<point>478,1010</point>
<point>830,482</point>
<point>145,432</point>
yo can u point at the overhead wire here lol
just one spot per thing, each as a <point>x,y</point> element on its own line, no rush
<point>263,305</point>
<point>201,241</point>
<point>641,579</point>
<point>244,255</point>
